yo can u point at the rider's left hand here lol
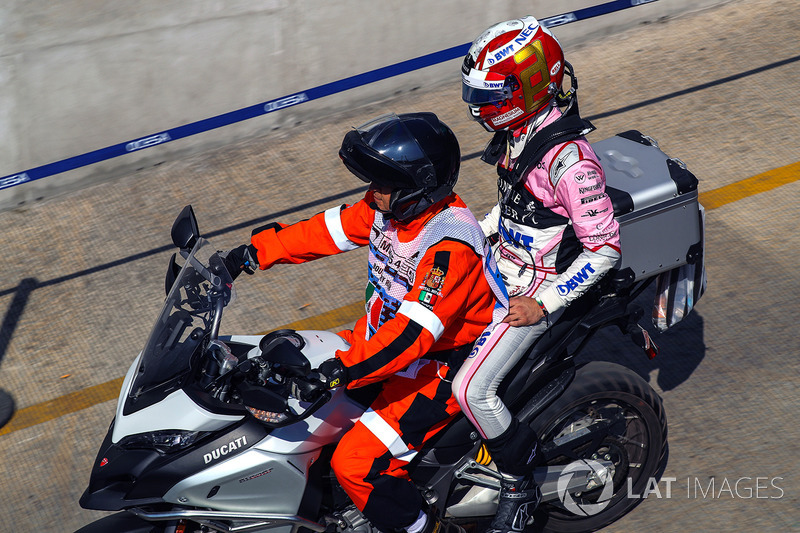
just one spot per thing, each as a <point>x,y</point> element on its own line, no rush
<point>523,311</point>
<point>241,259</point>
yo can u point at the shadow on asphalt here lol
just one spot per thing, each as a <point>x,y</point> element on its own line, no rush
<point>681,348</point>
<point>7,327</point>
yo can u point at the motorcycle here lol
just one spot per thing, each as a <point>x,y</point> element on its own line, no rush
<point>235,432</point>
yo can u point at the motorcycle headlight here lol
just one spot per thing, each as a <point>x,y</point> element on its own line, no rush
<point>167,441</point>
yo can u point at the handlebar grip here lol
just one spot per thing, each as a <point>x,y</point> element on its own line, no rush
<point>307,390</point>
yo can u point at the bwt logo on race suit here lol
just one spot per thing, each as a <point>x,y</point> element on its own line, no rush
<point>480,342</point>
<point>576,280</point>
<point>518,237</point>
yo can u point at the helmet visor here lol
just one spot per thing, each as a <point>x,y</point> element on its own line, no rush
<point>476,89</point>
<point>401,162</point>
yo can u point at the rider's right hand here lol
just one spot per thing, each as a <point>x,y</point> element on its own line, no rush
<point>241,259</point>
<point>523,311</point>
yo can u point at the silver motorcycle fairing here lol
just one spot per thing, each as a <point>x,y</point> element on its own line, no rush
<point>319,345</point>
<point>179,412</point>
<point>176,411</point>
<point>281,459</point>
<point>241,483</point>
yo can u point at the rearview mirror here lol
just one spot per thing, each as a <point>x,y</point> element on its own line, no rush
<point>184,230</point>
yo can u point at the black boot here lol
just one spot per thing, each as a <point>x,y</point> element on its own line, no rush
<point>518,500</point>
<point>516,454</point>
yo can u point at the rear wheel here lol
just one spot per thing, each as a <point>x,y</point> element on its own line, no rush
<point>608,413</point>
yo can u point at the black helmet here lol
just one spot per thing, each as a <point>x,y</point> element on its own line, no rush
<point>415,154</point>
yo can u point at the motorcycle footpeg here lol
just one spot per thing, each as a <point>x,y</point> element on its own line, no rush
<point>468,470</point>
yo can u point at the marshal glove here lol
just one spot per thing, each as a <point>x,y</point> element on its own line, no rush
<point>241,259</point>
<point>332,373</point>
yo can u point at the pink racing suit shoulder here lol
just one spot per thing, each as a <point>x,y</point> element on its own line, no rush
<point>579,185</point>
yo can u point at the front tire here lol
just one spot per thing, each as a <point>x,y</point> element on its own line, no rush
<point>634,439</point>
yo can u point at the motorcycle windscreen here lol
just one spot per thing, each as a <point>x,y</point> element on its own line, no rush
<point>679,289</point>
<point>181,329</point>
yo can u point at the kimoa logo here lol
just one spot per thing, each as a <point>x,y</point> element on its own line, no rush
<point>225,449</point>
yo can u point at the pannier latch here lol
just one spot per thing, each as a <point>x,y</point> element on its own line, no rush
<point>678,162</point>
<point>650,140</point>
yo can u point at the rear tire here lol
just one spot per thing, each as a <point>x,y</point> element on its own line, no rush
<point>636,442</point>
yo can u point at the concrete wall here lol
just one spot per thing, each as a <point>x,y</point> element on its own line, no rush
<point>80,75</point>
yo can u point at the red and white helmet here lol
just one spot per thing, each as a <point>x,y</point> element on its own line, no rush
<point>512,71</point>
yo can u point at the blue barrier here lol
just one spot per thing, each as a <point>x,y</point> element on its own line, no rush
<point>271,106</point>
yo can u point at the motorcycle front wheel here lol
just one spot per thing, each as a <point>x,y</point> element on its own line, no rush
<point>608,413</point>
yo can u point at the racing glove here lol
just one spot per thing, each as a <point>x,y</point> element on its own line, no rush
<point>241,259</point>
<point>332,373</point>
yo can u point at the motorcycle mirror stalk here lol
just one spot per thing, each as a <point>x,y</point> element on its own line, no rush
<point>185,234</point>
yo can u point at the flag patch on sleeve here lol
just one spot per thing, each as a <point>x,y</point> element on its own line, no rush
<point>431,286</point>
<point>428,298</point>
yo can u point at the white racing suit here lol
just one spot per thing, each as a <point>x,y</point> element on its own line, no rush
<point>555,235</point>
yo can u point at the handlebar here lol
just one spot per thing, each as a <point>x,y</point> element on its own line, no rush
<point>269,400</point>
<point>307,389</point>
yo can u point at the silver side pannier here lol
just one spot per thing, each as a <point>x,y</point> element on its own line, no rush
<point>661,222</point>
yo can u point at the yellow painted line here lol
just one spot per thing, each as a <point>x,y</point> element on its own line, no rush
<point>78,400</point>
<point>750,186</point>
<point>81,399</point>
<point>331,319</point>
<point>63,405</point>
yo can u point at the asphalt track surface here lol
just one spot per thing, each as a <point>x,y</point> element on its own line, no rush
<point>82,275</point>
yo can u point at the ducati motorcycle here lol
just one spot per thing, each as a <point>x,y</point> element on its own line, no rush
<point>234,433</point>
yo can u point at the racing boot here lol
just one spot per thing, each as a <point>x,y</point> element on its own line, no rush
<point>518,500</point>
<point>516,454</point>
